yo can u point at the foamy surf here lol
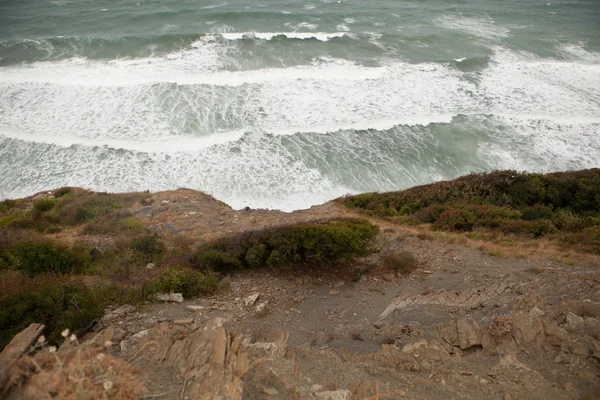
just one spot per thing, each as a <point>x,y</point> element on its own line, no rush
<point>289,106</point>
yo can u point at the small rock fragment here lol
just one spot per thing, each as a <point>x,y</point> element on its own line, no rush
<point>536,312</point>
<point>185,321</point>
<point>195,308</point>
<point>270,391</point>
<point>250,300</point>
<point>334,292</point>
<point>170,297</point>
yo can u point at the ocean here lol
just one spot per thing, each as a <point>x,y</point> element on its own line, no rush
<point>288,104</point>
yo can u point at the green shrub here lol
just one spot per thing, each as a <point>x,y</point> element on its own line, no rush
<point>7,205</point>
<point>456,220</point>
<point>132,224</point>
<point>148,246</point>
<point>537,212</point>
<point>187,281</point>
<point>501,201</point>
<point>62,192</point>
<point>402,262</point>
<point>95,207</point>
<point>40,257</point>
<point>567,220</point>
<point>44,205</point>
<point>217,260</point>
<point>58,303</point>
<point>315,243</point>
<point>542,227</point>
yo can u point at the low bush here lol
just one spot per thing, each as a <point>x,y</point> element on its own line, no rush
<point>39,257</point>
<point>187,281</point>
<point>402,262</point>
<point>217,260</point>
<point>148,247</point>
<point>132,224</point>
<point>533,205</point>
<point>537,212</point>
<point>97,206</point>
<point>58,303</point>
<point>322,243</point>
<point>62,192</point>
<point>44,205</point>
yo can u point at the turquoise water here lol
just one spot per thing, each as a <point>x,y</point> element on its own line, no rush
<point>282,104</point>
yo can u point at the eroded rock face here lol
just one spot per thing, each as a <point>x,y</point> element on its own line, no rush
<point>211,361</point>
<point>467,298</point>
<point>464,333</point>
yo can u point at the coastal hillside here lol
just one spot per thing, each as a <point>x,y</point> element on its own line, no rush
<point>489,283</point>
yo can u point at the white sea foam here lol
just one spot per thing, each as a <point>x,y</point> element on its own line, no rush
<point>484,27</point>
<point>256,172</point>
<point>577,52</point>
<point>160,123</point>
<point>211,6</point>
<point>162,144</point>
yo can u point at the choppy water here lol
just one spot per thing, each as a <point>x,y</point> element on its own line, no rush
<point>286,104</point>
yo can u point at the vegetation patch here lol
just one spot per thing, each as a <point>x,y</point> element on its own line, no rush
<point>95,207</point>
<point>56,302</point>
<point>401,263</point>
<point>187,281</point>
<point>564,206</point>
<point>324,243</point>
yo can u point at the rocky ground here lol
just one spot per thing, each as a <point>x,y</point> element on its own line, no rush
<point>464,324</point>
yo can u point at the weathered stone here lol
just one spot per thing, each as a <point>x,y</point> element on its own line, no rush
<point>270,391</point>
<point>424,350</point>
<point>150,266</point>
<point>467,298</point>
<point>16,347</point>
<point>449,332</point>
<point>580,348</point>
<point>316,388</point>
<point>250,300</point>
<point>195,308</point>
<point>214,362</point>
<point>119,334</point>
<point>185,321</point>
<point>469,334</point>
<point>556,334</point>
<point>113,316</point>
<point>527,328</point>
<point>334,292</point>
<point>574,323</point>
<point>338,284</point>
<point>536,312</point>
<point>261,306</point>
<point>334,395</point>
<point>169,297</point>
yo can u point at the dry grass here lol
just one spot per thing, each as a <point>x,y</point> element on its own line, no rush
<point>500,328</point>
<point>402,262</point>
<point>73,374</point>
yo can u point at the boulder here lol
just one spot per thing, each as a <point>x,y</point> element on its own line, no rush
<point>464,333</point>
<point>212,361</point>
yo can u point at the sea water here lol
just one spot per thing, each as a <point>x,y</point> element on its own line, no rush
<point>288,104</point>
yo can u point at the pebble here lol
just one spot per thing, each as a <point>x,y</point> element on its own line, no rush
<point>185,321</point>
